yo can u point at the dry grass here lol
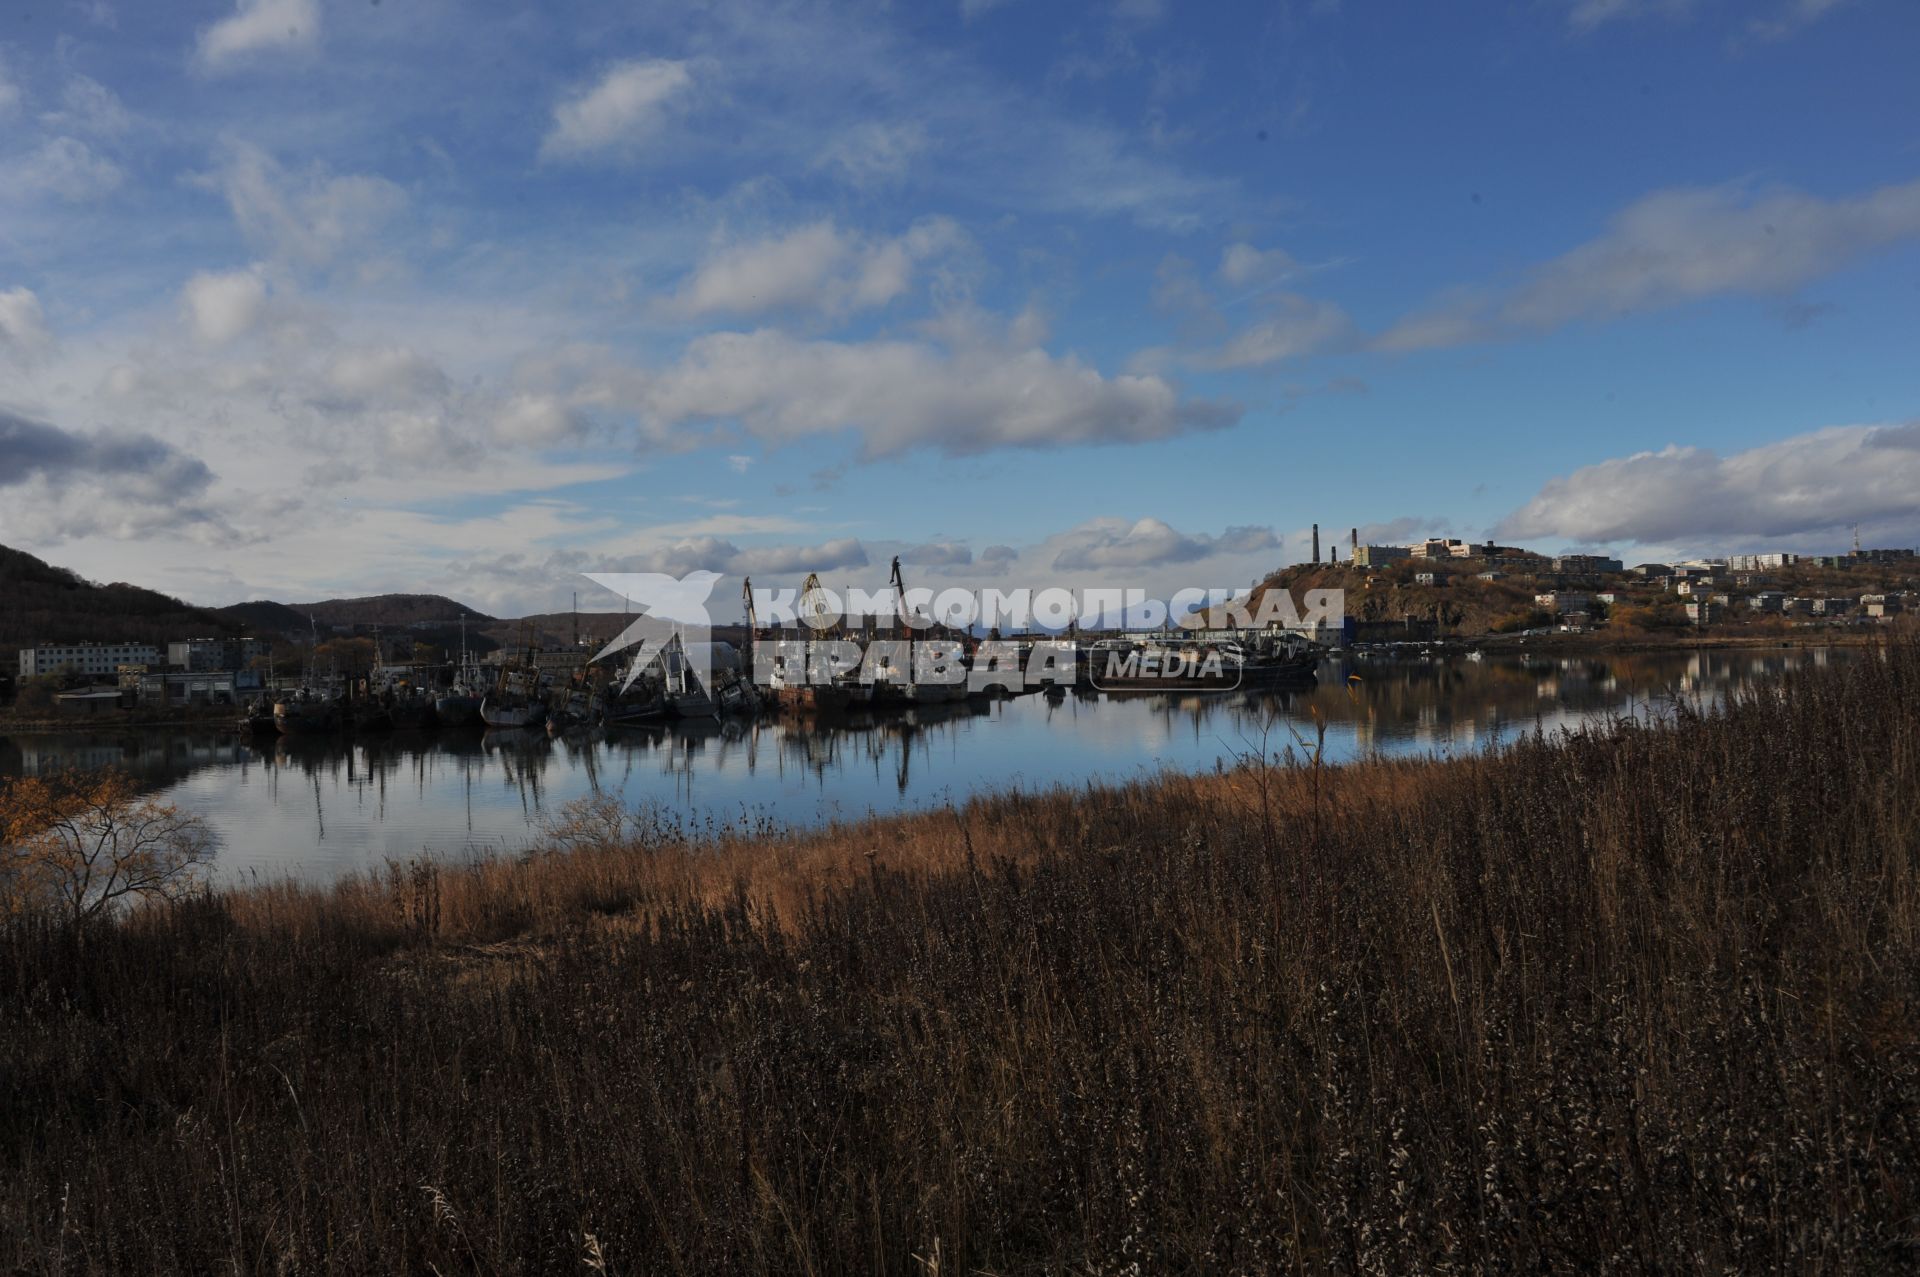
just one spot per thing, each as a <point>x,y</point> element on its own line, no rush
<point>1632,999</point>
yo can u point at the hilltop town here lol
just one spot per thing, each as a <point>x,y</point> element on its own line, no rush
<point>1452,588</point>
<point>174,655</point>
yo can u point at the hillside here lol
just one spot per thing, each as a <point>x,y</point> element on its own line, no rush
<point>391,609</point>
<point>556,629</point>
<point>44,604</point>
<point>1465,605</point>
<point>1461,603</point>
<point>267,618</point>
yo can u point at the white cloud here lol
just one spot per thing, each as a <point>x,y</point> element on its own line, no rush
<point>1674,247</point>
<point>10,93</point>
<point>88,106</point>
<point>221,308</point>
<point>1295,326</point>
<point>23,328</point>
<point>1149,543</point>
<point>787,79</point>
<point>739,462</point>
<point>1585,15</point>
<point>626,106</point>
<point>537,420</point>
<point>1242,265</point>
<point>66,167</point>
<point>1823,480</point>
<point>872,154</point>
<point>815,267</point>
<point>936,554</point>
<point>1790,17</point>
<point>388,375</point>
<point>305,219</point>
<point>1787,16</point>
<point>61,483</point>
<point>256,26</point>
<point>960,398</point>
<point>717,554</point>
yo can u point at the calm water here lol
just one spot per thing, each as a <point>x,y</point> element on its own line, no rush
<point>317,809</point>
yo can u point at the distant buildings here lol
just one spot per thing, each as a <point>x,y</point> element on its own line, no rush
<point>1559,602</point>
<point>1378,556</point>
<point>1761,562</point>
<point>207,687</point>
<point>201,655</point>
<point>1706,611</point>
<point>93,659</point>
<point>1586,564</point>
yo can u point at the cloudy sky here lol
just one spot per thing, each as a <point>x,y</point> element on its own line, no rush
<point>302,298</point>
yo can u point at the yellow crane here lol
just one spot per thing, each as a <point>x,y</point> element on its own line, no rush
<point>816,604</point>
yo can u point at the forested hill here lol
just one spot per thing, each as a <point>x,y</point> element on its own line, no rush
<point>40,603</point>
<point>392,609</point>
<point>395,611</point>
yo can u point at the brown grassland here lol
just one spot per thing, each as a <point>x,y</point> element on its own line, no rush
<point>1639,998</point>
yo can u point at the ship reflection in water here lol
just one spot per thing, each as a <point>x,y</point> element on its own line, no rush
<point>316,807</point>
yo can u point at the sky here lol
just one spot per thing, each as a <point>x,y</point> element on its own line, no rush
<point>311,298</point>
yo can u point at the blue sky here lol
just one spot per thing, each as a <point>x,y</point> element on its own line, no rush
<point>311,297</point>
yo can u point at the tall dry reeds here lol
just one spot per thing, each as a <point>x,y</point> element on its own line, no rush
<point>1643,997</point>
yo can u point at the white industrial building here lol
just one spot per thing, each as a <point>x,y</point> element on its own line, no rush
<point>103,659</point>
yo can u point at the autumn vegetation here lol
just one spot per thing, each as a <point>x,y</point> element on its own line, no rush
<point>1642,998</point>
<point>81,845</point>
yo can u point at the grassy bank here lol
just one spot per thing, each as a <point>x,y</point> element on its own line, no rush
<point>37,722</point>
<point>1641,999</point>
<point>1713,638</point>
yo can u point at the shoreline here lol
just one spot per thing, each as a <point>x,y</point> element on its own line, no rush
<point>1597,643</point>
<point>1395,1015</point>
<point>1601,642</point>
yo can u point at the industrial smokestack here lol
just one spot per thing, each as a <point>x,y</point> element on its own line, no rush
<point>1353,544</point>
<point>1316,543</point>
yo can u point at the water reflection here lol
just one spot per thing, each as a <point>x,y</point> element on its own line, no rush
<point>318,806</point>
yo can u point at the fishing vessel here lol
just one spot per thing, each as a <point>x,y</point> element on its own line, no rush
<point>515,700</point>
<point>305,713</point>
<point>256,717</point>
<point>459,705</point>
<point>633,711</point>
<point>412,710</point>
<point>505,707</point>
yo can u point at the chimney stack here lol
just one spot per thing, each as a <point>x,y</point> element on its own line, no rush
<point>1353,544</point>
<point>1316,543</point>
